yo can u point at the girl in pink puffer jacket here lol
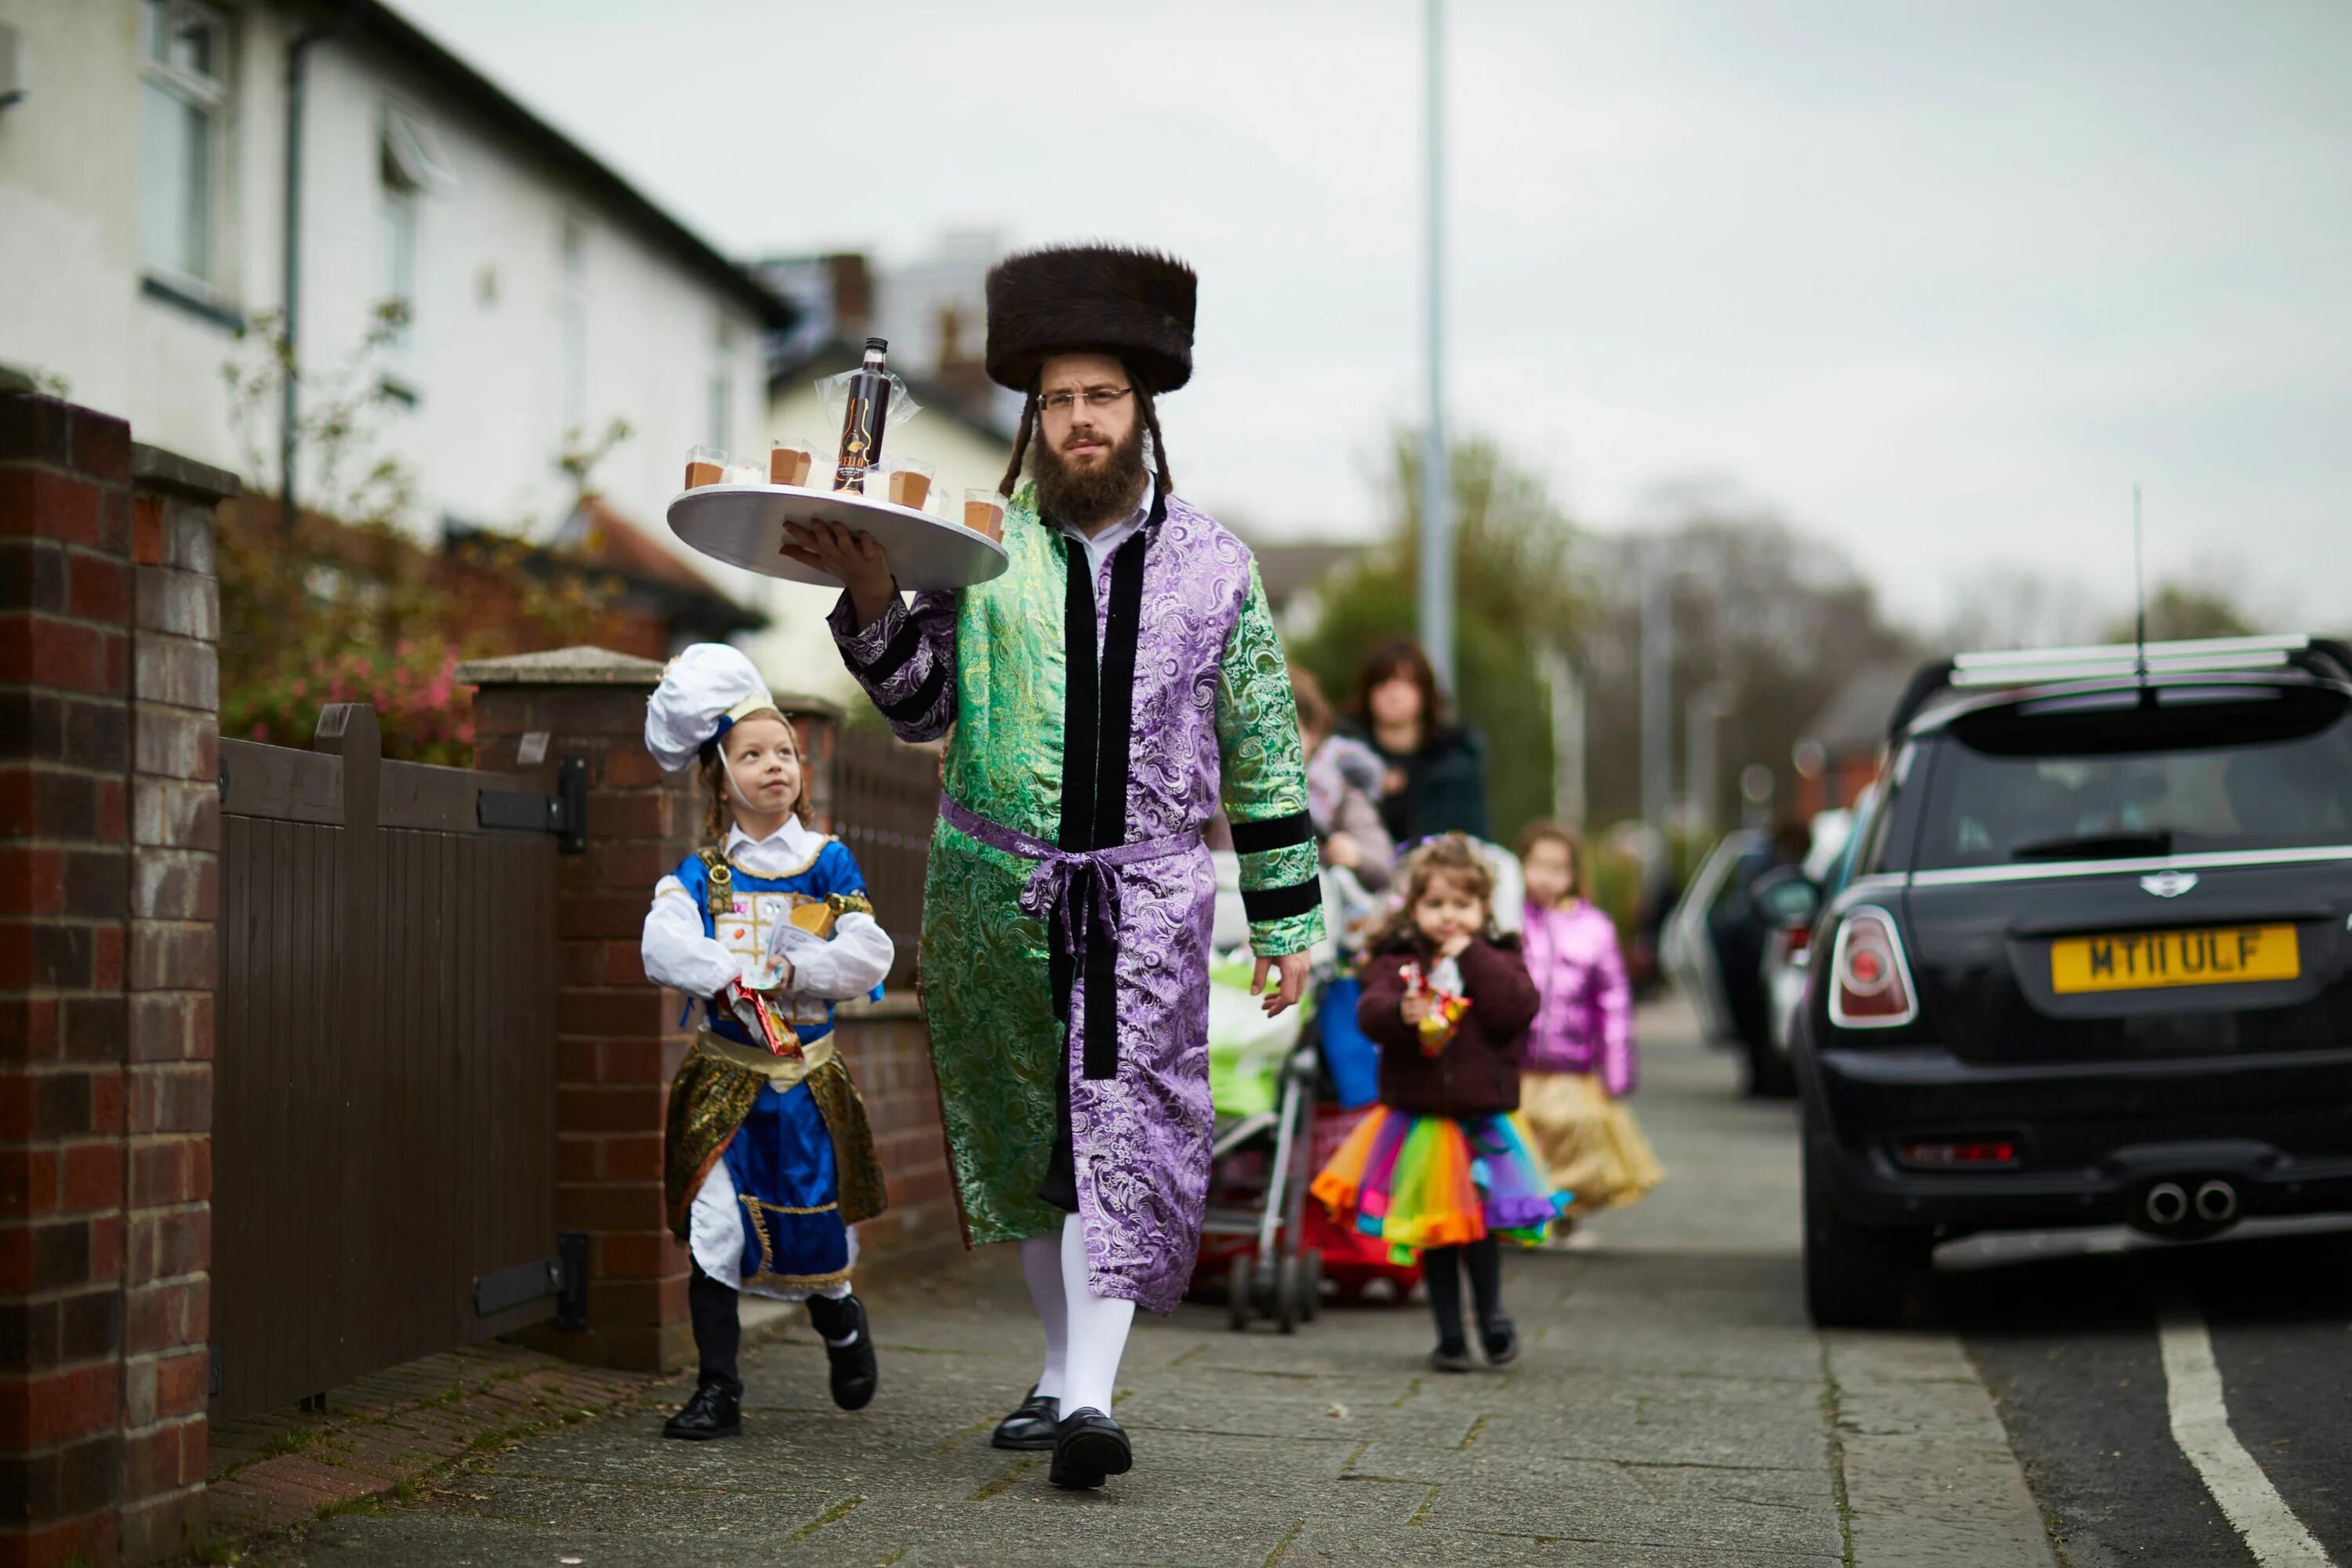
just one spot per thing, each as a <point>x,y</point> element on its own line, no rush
<point>1579,1065</point>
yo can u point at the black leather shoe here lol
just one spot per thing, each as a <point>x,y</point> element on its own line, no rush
<point>1499,1340</point>
<point>1089,1449</point>
<point>1450,1355</point>
<point>855,1369</point>
<point>711,1412</point>
<point>1031,1426</point>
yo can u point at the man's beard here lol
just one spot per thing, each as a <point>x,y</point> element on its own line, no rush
<point>1097,493</point>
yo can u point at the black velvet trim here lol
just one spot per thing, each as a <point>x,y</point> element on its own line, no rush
<point>1122,626</point>
<point>908,709</point>
<point>1280,903</point>
<point>1080,700</point>
<point>1060,1186</point>
<point>1272,832</point>
<point>896,652</point>
<point>1097,724</point>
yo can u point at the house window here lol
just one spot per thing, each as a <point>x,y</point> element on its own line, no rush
<point>721,423</point>
<point>409,167</point>
<point>184,110</point>
<point>571,324</point>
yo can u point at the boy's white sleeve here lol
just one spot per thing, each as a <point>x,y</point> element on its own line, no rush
<point>854,963</point>
<point>676,952</point>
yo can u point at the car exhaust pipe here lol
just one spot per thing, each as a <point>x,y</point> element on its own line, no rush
<point>2168,1205</point>
<point>2217,1203</point>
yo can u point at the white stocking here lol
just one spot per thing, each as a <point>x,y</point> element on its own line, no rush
<point>1041,1262</point>
<point>1099,1326</point>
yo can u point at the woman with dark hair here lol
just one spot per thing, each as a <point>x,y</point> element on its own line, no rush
<point>1436,780</point>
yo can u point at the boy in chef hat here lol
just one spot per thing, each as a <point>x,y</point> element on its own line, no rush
<point>768,1162</point>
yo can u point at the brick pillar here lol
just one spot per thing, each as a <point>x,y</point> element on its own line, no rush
<point>618,1038</point>
<point>108,710</point>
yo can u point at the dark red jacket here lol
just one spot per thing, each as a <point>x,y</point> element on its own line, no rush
<point>1478,1073</point>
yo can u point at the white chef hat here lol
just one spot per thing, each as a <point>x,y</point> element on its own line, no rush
<point>703,693</point>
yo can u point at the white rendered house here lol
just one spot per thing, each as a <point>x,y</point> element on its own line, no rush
<point>144,176</point>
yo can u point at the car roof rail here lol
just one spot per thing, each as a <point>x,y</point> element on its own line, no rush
<point>2329,658</point>
<point>2324,657</point>
<point>2105,661</point>
<point>1926,681</point>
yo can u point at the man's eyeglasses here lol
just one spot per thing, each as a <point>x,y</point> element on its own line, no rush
<point>1093,397</point>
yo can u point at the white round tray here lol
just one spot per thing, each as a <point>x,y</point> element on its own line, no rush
<point>743,525</point>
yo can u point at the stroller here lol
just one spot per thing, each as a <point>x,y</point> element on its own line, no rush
<point>1262,1074</point>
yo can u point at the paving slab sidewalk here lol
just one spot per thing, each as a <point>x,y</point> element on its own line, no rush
<point>1672,1406</point>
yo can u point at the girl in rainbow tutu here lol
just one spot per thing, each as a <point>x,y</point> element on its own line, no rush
<point>1442,1167</point>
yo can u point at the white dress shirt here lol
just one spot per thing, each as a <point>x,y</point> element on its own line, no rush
<point>1103,540</point>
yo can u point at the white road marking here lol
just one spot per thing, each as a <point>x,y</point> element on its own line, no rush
<point>2201,1425</point>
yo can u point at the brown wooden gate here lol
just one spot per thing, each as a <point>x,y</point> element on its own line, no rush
<point>384,1143</point>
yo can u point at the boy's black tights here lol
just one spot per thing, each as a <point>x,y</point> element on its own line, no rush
<point>718,1327</point>
<point>1442,1269</point>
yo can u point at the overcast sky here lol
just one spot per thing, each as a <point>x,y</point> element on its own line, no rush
<point>1936,281</point>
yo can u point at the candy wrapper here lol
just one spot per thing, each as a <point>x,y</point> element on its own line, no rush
<point>1441,988</point>
<point>752,1008</point>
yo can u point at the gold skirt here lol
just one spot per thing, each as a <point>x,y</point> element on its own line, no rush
<point>713,1093</point>
<point>1590,1143</point>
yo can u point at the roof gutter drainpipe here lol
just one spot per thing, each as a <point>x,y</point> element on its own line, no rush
<point>298,55</point>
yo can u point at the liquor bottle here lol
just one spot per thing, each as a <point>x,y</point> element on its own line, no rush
<point>867,410</point>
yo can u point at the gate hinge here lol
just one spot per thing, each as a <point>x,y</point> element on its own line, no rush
<point>563,813</point>
<point>532,1282</point>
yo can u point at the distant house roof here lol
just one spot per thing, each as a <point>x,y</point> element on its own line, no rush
<point>1855,719</point>
<point>931,395</point>
<point>379,25</point>
<point>657,583</point>
<point>1290,570</point>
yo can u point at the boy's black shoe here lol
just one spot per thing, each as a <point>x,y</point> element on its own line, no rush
<point>1450,1355</point>
<point>855,1372</point>
<point>1089,1449</point>
<point>713,1412</point>
<point>1499,1340</point>
<point>1031,1426</point>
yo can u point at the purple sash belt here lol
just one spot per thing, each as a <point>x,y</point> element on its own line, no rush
<point>1079,889</point>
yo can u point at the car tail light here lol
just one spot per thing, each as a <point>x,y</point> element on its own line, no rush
<point>1800,938</point>
<point>1870,984</point>
<point>1966,1154</point>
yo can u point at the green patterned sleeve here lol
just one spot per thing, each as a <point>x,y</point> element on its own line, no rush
<point>1265,786</point>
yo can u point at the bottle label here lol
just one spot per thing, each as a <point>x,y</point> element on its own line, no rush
<point>856,445</point>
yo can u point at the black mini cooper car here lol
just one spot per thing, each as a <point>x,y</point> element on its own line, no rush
<point>2087,961</point>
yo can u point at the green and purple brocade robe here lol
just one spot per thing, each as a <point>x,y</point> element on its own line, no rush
<point>1088,714</point>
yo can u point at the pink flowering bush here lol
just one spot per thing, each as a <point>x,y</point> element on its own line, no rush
<point>424,713</point>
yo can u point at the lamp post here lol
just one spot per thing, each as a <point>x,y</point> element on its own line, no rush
<point>1437,520</point>
<point>1657,665</point>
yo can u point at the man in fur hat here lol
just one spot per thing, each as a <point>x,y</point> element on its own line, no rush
<point>1103,697</point>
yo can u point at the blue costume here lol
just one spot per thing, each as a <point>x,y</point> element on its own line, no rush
<point>786,1131</point>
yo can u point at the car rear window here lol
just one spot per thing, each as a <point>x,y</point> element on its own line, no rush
<point>2169,771</point>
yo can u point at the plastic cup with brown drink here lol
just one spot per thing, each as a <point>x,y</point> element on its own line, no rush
<point>908,483</point>
<point>983,513</point>
<point>789,462</point>
<point>706,466</point>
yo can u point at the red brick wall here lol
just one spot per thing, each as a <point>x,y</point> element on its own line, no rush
<point>620,1038</point>
<point>108,828</point>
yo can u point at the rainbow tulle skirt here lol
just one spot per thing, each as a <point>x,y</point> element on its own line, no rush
<point>1417,1182</point>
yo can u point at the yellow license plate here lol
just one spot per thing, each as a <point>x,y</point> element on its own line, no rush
<point>2139,961</point>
